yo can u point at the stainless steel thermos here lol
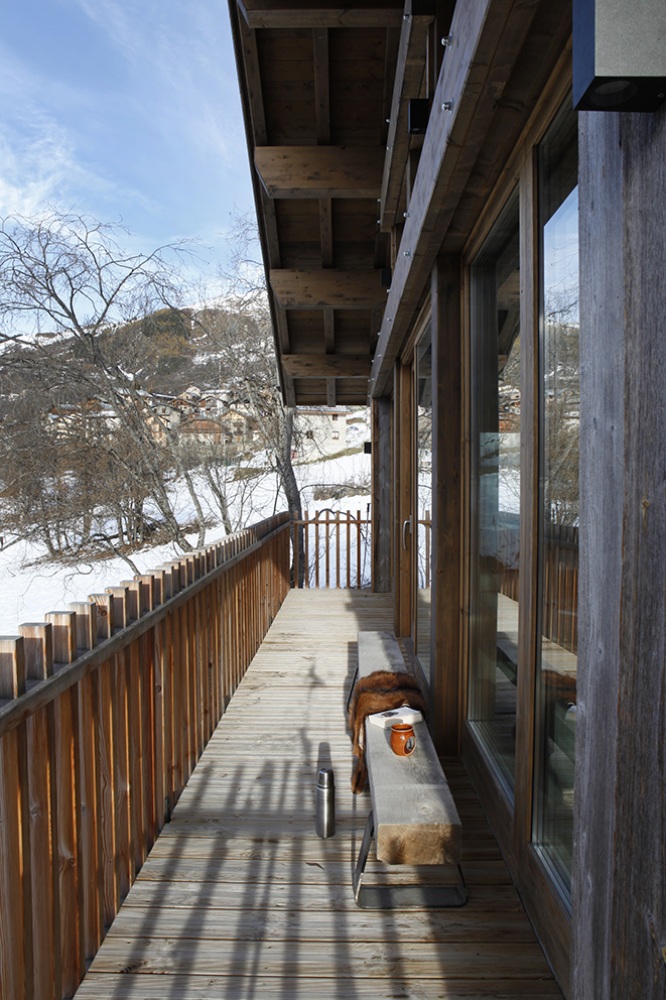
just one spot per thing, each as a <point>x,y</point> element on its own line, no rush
<point>325,807</point>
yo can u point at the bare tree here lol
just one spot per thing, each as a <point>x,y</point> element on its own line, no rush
<point>261,381</point>
<point>243,333</point>
<point>66,285</point>
<point>78,315</point>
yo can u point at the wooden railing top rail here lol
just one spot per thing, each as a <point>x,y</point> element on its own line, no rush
<point>341,517</point>
<point>24,689</point>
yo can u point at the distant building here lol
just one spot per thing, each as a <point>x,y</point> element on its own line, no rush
<point>320,433</point>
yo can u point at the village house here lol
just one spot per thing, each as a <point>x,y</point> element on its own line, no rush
<point>231,430</point>
<point>320,432</point>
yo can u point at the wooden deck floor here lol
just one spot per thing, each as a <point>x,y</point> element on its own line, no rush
<point>240,899</point>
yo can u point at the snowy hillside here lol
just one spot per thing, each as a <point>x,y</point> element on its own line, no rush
<point>31,585</point>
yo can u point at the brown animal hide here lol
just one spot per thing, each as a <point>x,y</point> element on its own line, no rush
<point>380,691</point>
<point>559,688</point>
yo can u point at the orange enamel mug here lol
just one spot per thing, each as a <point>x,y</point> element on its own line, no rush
<point>403,740</point>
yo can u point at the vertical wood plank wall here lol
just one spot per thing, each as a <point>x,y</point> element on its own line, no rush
<point>619,891</point>
<point>104,711</point>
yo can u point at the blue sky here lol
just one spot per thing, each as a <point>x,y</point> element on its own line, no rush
<point>126,110</point>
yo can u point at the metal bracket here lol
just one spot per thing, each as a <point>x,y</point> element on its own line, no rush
<point>374,897</point>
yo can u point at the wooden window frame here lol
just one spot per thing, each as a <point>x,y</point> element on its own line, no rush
<point>512,816</point>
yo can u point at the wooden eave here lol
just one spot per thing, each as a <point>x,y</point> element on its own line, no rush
<point>315,97</point>
<point>348,202</point>
<point>482,82</point>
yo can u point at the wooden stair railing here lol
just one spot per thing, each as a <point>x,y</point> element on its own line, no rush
<point>104,710</point>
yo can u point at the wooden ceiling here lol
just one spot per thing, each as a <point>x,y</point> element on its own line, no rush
<point>354,205</point>
<point>325,112</point>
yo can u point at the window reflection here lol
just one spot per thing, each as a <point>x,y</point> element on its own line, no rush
<point>560,405</point>
<point>424,497</point>
<point>496,491</point>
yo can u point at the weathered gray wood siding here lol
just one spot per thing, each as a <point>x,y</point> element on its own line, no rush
<point>619,921</point>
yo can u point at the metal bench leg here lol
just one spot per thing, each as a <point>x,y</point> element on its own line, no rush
<point>351,689</point>
<point>383,897</point>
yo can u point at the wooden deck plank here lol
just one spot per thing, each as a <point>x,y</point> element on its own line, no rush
<point>185,987</point>
<point>247,922</point>
<point>290,958</point>
<point>239,897</point>
<point>164,894</point>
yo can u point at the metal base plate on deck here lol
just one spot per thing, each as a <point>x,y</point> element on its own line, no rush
<point>382,897</point>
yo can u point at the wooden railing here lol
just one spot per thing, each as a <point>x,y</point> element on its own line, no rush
<point>424,551</point>
<point>332,549</point>
<point>560,581</point>
<point>104,711</point>
<point>560,584</point>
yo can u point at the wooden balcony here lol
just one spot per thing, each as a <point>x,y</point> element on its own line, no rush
<point>239,898</point>
<point>159,746</point>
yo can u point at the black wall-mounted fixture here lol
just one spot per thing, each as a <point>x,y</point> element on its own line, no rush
<point>619,55</point>
<point>418,112</point>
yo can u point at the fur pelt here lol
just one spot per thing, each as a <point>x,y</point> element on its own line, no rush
<point>380,691</point>
<point>559,689</point>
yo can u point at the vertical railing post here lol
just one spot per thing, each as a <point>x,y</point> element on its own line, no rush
<point>16,967</point>
<point>41,827</point>
<point>67,817</point>
<point>89,766</point>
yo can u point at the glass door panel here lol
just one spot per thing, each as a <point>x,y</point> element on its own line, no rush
<point>423,500</point>
<point>560,409</point>
<point>495,507</point>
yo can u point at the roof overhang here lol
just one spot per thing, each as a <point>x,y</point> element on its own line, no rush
<point>353,207</point>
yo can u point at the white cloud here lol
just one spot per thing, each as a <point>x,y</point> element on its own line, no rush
<point>36,163</point>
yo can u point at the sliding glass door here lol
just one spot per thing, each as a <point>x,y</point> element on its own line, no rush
<point>523,512</point>
<point>423,503</point>
<point>495,491</point>
<point>559,494</point>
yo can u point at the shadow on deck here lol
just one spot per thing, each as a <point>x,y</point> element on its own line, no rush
<point>240,899</point>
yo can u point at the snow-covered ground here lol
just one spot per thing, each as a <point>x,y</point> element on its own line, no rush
<point>31,585</point>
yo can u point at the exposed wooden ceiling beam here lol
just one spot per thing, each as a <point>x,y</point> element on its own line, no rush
<point>322,14</point>
<point>327,366</point>
<point>321,57</point>
<point>475,69</point>
<point>331,394</point>
<point>322,82</point>
<point>340,289</point>
<point>255,98</point>
<point>320,171</point>
<point>408,81</point>
<point>326,231</point>
<point>329,331</point>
